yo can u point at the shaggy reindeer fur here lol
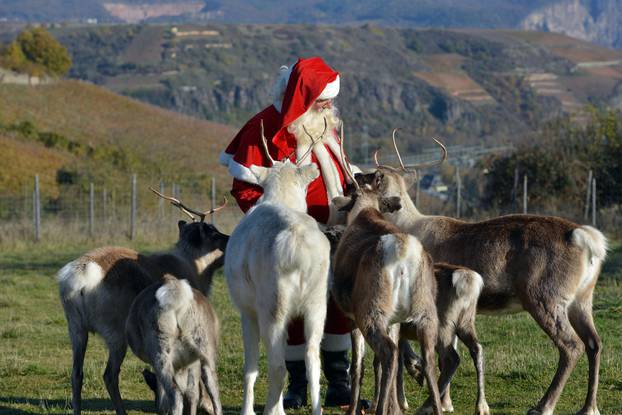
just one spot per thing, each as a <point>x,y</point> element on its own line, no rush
<point>276,267</point>
<point>382,277</point>
<point>174,328</point>
<point>544,265</point>
<point>98,288</point>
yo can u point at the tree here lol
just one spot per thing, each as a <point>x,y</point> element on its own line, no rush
<point>36,52</point>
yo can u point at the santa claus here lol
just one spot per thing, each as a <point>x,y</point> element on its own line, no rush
<point>301,125</point>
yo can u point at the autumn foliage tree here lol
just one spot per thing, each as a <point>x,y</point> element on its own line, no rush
<point>36,52</point>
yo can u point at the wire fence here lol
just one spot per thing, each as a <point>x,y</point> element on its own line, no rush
<point>131,211</point>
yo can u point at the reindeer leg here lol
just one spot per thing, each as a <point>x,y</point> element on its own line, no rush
<point>314,330</point>
<point>357,369</point>
<point>468,336</point>
<point>427,333</point>
<point>377,382</point>
<point>79,340</point>
<point>250,335</point>
<point>412,362</point>
<point>580,313</point>
<point>210,380</point>
<point>553,319</point>
<point>274,334</point>
<point>401,396</point>
<point>116,349</point>
<point>386,350</point>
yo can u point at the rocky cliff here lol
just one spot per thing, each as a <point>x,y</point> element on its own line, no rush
<point>598,21</point>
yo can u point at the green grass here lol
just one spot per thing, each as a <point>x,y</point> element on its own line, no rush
<point>35,357</point>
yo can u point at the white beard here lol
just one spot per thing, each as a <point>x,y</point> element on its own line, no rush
<point>313,122</point>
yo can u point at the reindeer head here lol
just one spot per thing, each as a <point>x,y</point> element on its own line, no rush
<point>201,236</point>
<point>389,181</point>
<point>198,236</point>
<point>362,195</point>
<point>283,181</point>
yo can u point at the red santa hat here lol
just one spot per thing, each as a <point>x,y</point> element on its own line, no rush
<point>310,79</point>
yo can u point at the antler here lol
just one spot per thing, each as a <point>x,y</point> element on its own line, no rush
<point>433,163</point>
<point>190,212</point>
<point>393,169</point>
<point>344,159</point>
<point>264,145</point>
<point>313,142</point>
<point>410,168</point>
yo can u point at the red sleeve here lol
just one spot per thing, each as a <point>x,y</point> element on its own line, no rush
<point>245,194</point>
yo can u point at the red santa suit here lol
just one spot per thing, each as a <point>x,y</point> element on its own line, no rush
<point>310,79</point>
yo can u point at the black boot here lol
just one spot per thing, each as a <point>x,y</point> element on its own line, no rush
<point>338,393</point>
<point>336,365</point>
<point>296,396</point>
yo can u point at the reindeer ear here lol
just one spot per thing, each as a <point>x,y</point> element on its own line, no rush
<point>343,203</point>
<point>310,172</point>
<point>390,204</point>
<point>259,172</point>
<point>410,179</point>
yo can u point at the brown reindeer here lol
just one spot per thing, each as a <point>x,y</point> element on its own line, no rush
<point>98,288</point>
<point>174,328</point>
<point>382,277</point>
<point>456,305</point>
<point>544,265</point>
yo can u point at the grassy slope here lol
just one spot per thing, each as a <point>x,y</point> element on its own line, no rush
<point>160,139</point>
<point>35,358</point>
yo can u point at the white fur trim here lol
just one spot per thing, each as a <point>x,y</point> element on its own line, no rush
<point>331,90</point>
<point>225,158</point>
<point>241,172</point>
<point>336,342</point>
<point>295,352</point>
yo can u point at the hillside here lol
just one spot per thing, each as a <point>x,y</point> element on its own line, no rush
<point>593,20</point>
<point>468,86</point>
<point>74,132</point>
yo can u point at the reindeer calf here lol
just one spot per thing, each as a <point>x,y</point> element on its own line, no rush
<point>456,304</point>
<point>174,328</point>
<point>98,288</point>
<point>382,277</point>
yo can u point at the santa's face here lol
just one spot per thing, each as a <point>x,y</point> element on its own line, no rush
<point>322,104</point>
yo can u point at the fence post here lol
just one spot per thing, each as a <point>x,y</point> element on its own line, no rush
<point>133,209</point>
<point>104,205</point>
<point>458,192</point>
<point>594,202</point>
<point>37,209</point>
<point>525,194</point>
<point>587,195</point>
<point>91,207</point>
<point>515,191</point>
<point>418,189</point>
<point>213,199</point>
<point>161,201</point>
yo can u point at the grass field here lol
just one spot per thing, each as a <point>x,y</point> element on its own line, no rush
<point>35,357</point>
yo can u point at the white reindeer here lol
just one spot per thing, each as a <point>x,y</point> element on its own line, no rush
<point>276,268</point>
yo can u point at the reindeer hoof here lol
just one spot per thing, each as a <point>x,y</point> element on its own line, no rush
<point>447,407</point>
<point>425,410</point>
<point>588,411</point>
<point>535,411</point>
<point>482,409</point>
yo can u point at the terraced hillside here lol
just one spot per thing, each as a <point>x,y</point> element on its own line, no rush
<point>468,86</point>
<point>75,132</point>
